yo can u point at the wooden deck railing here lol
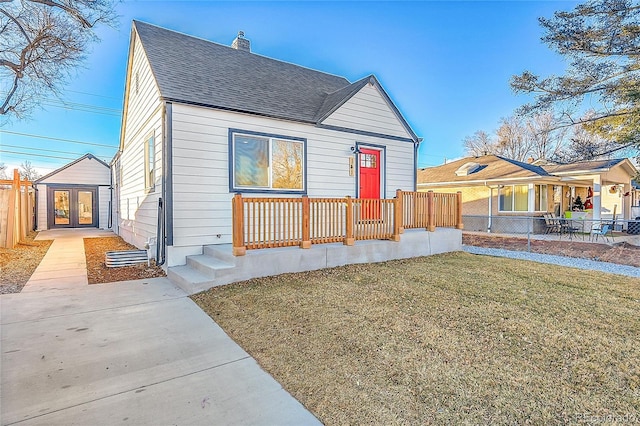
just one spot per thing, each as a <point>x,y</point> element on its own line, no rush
<point>281,222</point>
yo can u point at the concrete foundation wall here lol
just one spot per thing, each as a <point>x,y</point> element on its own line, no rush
<point>269,262</point>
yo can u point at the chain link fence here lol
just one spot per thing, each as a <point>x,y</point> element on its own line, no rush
<point>553,228</point>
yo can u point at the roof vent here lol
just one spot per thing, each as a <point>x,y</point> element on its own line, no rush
<point>467,168</point>
<point>241,43</point>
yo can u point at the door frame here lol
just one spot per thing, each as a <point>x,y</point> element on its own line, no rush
<point>73,205</point>
<point>382,167</point>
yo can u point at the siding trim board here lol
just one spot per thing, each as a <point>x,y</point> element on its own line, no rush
<point>227,109</point>
<point>364,133</point>
<point>167,173</point>
<point>231,164</point>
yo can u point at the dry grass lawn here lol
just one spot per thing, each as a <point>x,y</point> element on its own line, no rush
<point>446,339</point>
<point>18,264</point>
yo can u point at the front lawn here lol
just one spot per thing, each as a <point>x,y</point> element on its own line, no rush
<point>449,339</point>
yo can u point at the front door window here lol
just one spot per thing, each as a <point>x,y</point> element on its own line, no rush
<point>85,207</point>
<point>62,211</point>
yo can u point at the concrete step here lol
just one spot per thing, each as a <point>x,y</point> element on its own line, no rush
<point>220,251</point>
<point>190,279</point>
<point>208,265</point>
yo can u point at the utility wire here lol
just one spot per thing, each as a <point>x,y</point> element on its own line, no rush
<point>36,155</point>
<point>56,139</point>
<point>40,149</point>
<point>93,94</point>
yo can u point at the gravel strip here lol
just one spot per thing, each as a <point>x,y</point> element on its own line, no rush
<point>573,262</point>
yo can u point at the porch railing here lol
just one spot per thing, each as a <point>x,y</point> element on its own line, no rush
<point>280,222</point>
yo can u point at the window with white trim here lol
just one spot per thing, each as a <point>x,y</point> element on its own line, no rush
<point>541,192</point>
<point>515,198</point>
<point>262,162</point>
<point>149,164</point>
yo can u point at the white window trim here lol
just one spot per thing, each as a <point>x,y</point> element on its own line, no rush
<point>149,167</point>
<point>271,138</point>
<point>531,198</point>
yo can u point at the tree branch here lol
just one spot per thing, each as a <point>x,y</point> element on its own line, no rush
<point>15,21</point>
<point>71,11</point>
<point>3,108</point>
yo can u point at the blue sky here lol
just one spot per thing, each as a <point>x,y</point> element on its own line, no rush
<point>446,64</point>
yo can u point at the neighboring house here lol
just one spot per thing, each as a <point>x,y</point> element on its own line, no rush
<point>77,195</point>
<point>203,121</point>
<point>497,186</point>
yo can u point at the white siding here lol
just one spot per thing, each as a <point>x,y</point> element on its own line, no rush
<point>201,197</point>
<point>137,208</point>
<point>104,196</point>
<point>368,111</point>
<point>85,172</point>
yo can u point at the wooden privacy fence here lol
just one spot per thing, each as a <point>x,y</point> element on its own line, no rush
<point>17,201</point>
<point>282,222</point>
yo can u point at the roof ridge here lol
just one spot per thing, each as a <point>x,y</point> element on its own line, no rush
<point>237,50</point>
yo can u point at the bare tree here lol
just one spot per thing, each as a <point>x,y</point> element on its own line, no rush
<point>481,143</point>
<point>28,172</point>
<point>41,42</point>
<point>513,139</point>
<point>3,171</point>
<point>520,138</point>
<point>546,138</point>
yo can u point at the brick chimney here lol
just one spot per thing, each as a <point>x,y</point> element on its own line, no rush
<point>241,43</point>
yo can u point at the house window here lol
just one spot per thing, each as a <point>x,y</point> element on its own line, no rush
<point>541,192</point>
<point>149,164</point>
<point>261,162</point>
<point>514,198</point>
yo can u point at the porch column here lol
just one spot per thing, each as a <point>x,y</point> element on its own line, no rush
<point>597,200</point>
<point>626,202</point>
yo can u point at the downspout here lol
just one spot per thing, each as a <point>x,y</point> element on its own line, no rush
<point>110,217</point>
<point>165,212</point>
<point>490,207</point>
<point>416,145</point>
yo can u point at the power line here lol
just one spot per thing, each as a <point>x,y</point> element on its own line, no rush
<point>75,106</point>
<point>82,107</point>
<point>36,155</point>
<point>56,139</point>
<point>40,149</point>
<point>92,94</point>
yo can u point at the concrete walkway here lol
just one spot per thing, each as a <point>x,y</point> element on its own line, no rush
<point>64,265</point>
<point>137,352</point>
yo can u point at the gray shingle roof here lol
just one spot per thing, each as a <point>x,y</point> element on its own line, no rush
<point>580,166</point>
<point>198,71</point>
<point>492,167</point>
<point>527,166</point>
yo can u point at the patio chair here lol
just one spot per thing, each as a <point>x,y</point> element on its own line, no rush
<point>600,230</point>
<point>551,223</point>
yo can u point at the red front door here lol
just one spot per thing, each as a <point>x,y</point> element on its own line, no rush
<point>370,182</point>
